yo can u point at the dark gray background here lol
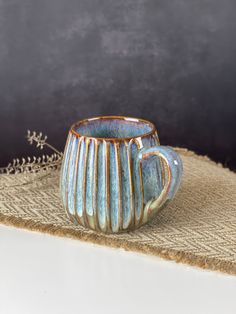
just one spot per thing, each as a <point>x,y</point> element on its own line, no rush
<point>173,62</point>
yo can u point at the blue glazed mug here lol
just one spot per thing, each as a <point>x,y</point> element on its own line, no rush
<point>115,176</point>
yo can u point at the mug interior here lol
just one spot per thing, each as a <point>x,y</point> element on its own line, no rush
<point>113,127</point>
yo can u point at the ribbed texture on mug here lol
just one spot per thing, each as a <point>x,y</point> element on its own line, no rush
<point>100,185</point>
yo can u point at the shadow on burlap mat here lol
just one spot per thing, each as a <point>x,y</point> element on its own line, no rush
<point>197,228</point>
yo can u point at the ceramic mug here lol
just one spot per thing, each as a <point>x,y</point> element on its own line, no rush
<point>115,176</point>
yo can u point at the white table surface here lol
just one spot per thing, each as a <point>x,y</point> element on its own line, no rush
<point>43,274</point>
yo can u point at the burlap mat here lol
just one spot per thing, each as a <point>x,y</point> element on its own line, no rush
<point>197,228</point>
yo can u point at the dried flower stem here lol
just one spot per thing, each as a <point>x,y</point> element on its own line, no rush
<point>54,149</point>
<point>40,141</point>
<point>33,164</point>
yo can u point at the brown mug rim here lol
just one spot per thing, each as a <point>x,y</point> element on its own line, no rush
<point>75,126</point>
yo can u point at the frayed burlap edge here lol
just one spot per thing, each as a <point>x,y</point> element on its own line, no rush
<point>102,239</point>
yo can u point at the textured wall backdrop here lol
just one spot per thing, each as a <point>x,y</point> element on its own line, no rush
<point>173,62</point>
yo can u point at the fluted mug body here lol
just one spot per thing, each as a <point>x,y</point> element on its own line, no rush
<point>115,175</point>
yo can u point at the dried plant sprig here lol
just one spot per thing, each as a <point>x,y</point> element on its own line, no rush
<point>40,141</point>
<point>35,164</point>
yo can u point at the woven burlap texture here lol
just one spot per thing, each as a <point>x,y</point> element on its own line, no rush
<point>197,228</point>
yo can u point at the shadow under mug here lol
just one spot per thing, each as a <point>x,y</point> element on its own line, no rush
<point>115,176</point>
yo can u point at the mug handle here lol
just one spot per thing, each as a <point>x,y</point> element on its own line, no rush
<point>174,174</point>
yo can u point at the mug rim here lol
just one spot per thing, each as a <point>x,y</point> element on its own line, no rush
<point>125,118</point>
